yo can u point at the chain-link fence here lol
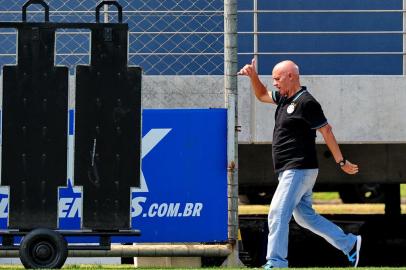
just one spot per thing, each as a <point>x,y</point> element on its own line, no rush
<point>171,37</point>
<point>324,37</point>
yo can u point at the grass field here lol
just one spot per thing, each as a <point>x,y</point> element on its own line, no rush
<point>361,209</point>
<point>326,196</point>
<point>332,196</point>
<point>213,268</point>
<point>122,267</point>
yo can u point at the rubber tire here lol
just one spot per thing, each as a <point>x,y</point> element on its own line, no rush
<point>46,239</point>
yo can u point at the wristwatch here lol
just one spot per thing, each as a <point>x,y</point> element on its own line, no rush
<point>342,162</point>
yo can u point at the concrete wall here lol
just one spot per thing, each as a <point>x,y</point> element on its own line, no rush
<point>360,108</point>
<point>182,92</point>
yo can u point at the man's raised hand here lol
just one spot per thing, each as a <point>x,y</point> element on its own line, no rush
<point>249,69</point>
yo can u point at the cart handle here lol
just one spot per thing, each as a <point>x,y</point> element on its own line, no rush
<point>40,2</point>
<point>110,3</point>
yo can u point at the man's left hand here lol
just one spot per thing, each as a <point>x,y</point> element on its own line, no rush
<point>349,168</point>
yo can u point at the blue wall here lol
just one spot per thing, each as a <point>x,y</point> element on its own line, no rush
<point>190,46</point>
<point>311,64</point>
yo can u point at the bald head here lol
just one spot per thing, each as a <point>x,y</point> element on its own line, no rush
<point>287,66</point>
<point>286,77</point>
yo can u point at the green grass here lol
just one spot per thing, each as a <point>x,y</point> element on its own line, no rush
<point>122,267</point>
<point>346,268</point>
<point>326,196</point>
<point>213,268</point>
<point>329,196</point>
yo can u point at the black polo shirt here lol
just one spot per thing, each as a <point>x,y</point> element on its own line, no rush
<point>296,120</point>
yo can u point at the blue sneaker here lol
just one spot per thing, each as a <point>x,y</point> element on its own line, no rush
<point>267,266</point>
<point>353,256</point>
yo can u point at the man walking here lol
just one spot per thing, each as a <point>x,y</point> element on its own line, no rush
<point>298,115</point>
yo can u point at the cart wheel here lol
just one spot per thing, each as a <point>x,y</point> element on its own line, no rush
<point>43,248</point>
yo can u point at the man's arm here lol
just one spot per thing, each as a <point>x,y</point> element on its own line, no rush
<point>332,144</point>
<point>260,90</point>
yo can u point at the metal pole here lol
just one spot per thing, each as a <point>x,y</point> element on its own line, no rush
<point>231,96</point>
<point>253,100</point>
<point>404,37</point>
<point>106,13</point>
<point>145,250</point>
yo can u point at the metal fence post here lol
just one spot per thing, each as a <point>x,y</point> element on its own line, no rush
<point>253,99</point>
<point>106,13</point>
<point>404,36</point>
<point>231,102</point>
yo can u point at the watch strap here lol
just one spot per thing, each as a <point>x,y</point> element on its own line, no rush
<point>342,162</point>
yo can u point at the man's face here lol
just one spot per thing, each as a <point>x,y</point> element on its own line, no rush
<point>281,80</point>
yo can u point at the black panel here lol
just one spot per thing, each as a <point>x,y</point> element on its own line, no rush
<point>378,163</point>
<point>108,131</point>
<point>35,101</point>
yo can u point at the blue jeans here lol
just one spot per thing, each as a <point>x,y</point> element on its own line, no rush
<point>294,196</point>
